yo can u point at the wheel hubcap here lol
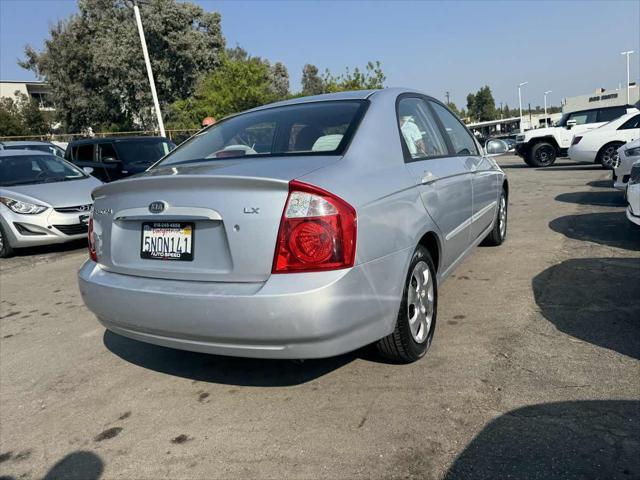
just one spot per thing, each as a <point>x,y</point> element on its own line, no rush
<point>503,217</point>
<point>420,301</point>
<point>544,155</point>
<point>610,157</point>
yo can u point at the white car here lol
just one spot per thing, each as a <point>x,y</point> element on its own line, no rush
<point>601,145</point>
<point>628,154</point>
<point>633,194</point>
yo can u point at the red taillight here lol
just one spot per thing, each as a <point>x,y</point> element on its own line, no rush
<point>92,244</point>
<point>317,231</point>
<point>576,140</point>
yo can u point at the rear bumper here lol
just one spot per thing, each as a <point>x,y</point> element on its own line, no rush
<point>309,315</point>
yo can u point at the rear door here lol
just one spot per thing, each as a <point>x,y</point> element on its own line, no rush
<point>484,175</point>
<point>444,180</point>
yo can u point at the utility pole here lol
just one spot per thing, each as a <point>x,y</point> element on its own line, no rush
<point>448,102</point>
<point>520,85</point>
<point>546,123</point>
<point>152,82</point>
<point>627,54</point>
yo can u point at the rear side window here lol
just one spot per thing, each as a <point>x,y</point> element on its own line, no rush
<point>633,122</point>
<point>419,130</point>
<point>461,140</point>
<point>608,114</point>
<point>320,128</point>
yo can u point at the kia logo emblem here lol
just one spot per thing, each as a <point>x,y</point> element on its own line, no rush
<point>156,207</point>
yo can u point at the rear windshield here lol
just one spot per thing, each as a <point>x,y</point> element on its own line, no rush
<point>32,169</point>
<point>320,128</point>
<point>142,153</point>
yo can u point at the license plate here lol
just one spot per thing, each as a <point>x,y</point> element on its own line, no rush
<point>167,241</point>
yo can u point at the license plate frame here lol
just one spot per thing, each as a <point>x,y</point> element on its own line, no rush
<point>171,256</point>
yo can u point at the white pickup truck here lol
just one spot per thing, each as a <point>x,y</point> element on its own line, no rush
<point>540,147</point>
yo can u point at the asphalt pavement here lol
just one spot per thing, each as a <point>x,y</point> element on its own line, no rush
<point>534,371</point>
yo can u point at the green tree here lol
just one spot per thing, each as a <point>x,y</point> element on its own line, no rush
<point>481,105</point>
<point>279,77</point>
<point>372,78</point>
<point>312,83</point>
<point>236,85</point>
<point>454,109</point>
<point>93,60</point>
<point>21,116</point>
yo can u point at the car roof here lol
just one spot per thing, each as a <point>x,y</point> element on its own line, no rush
<point>24,153</point>
<point>25,143</point>
<point>85,141</point>
<point>348,95</point>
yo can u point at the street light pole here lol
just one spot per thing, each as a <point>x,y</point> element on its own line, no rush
<point>152,82</point>
<point>546,123</point>
<point>627,54</point>
<point>520,85</point>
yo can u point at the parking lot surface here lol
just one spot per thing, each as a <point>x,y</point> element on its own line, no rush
<point>534,371</point>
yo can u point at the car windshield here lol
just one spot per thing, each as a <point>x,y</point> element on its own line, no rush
<point>32,169</point>
<point>319,128</point>
<point>53,149</point>
<point>142,153</point>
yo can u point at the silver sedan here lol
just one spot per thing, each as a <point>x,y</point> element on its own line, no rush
<point>301,229</point>
<point>43,200</point>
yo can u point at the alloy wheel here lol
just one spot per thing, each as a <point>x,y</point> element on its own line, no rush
<point>502,217</point>
<point>420,302</point>
<point>610,157</point>
<point>544,155</point>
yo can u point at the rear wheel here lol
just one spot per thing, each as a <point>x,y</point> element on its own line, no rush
<point>608,155</point>
<point>5,249</point>
<point>542,154</point>
<point>416,320</point>
<point>499,233</point>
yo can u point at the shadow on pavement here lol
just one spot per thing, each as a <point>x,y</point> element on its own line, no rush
<point>80,465</point>
<point>563,440</point>
<point>56,248</point>
<point>571,167</point>
<point>596,300</point>
<point>606,228</point>
<point>613,198</point>
<point>224,370</point>
<point>601,184</point>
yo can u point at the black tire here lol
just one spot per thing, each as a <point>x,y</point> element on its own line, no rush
<point>498,234</point>
<point>608,155</point>
<point>5,249</point>
<point>542,154</point>
<point>401,345</point>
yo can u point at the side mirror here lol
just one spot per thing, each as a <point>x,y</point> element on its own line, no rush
<point>110,160</point>
<point>571,124</point>
<point>495,146</point>
<point>87,170</point>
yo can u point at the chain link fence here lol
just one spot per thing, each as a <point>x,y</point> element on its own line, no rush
<point>176,136</point>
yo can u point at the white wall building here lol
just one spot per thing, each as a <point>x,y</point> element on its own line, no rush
<point>38,91</point>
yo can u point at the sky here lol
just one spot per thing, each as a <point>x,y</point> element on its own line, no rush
<point>568,47</point>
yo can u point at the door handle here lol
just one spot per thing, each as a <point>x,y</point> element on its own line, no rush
<point>427,178</point>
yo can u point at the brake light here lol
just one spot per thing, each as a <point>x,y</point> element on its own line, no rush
<point>92,245</point>
<point>576,140</point>
<point>317,231</point>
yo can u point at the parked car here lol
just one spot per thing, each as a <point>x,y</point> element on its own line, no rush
<point>601,145</point>
<point>43,199</point>
<point>633,194</point>
<point>111,159</point>
<point>540,147</point>
<point>628,154</point>
<point>47,147</point>
<point>301,229</point>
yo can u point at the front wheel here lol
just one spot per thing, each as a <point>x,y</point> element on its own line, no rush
<point>416,320</point>
<point>542,154</point>
<point>608,155</point>
<point>5,249</point>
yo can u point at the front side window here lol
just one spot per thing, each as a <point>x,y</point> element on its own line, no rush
<point>633,122</point>
<point>319,128</point>
<point>106,150</point>
<point>32,169</point>
<point>581,118</point>
<point>84,153</point>
<point>461,140</point>
<point>419,129</point>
